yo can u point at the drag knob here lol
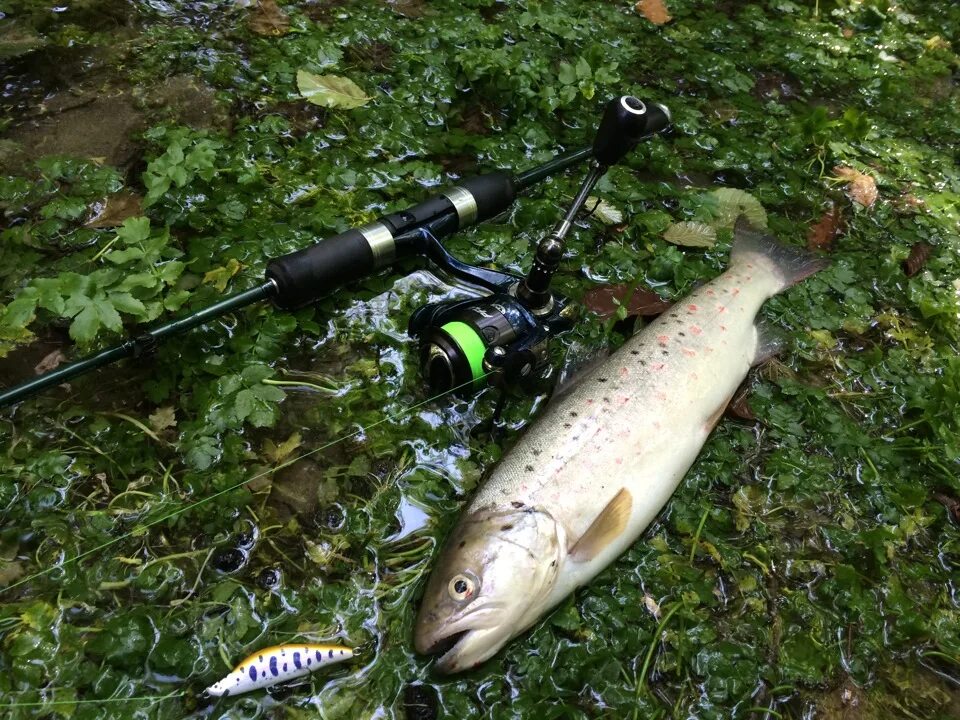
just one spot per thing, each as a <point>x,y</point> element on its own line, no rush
<point>626,120</point>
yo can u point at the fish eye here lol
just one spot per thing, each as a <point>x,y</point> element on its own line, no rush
<point>461,587</point>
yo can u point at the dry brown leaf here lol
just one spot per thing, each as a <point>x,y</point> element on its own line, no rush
<point>654,11</point>
<point>114,209</point>
<point>861,188</point>
<point>268,19</point>
<point>821,235</point>
<point>739,406</point>
<point>919,254</point>
<point>51,361</point>
<point>605,300</point>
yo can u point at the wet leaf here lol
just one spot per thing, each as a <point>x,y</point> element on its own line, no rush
<point>114,209</point>
<point>603,211</point>
<point>220,276</point>
<point>739,406</point>
<point>731,203</point>
<point>919,254</point>
<point>279,453</point>
<point>653,10</point>
<point>163,418</point>
<point>269,20</point>
<point>691,234</point>
<point>331,91</point>
<point>861,188</point>
<point>607,301</point>
<point>821,235</point>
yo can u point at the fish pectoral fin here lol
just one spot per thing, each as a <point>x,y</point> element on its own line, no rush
<point>605,528</point>
<point>770,343</point>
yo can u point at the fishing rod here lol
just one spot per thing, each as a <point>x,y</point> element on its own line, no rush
<point>503,332</point>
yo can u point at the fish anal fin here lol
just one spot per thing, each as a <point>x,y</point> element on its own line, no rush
<point>605,528</point>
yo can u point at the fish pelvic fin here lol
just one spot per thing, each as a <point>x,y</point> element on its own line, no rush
<point>605,528</point>
<point>788,263</point>
<point>770,343</point>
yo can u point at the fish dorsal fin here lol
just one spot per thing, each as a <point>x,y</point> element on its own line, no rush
<point>611,521</point>
<point>770,343</point>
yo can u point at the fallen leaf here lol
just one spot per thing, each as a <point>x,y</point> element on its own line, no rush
<point>268,19</point>
<point>654,11</point>
<point>603,211</point>
<point>919,254</point>
<point>652,606</point>
<point>278,453</point>
<point>330,91</point>
<point>861,188</point>
<point>50,362</point>
<point>691,234</point>
<point>739,406</point>
<point>114,209</point>
<point>950,503</point>
<point>220,276</point>
<point>821,235</point>
<point>606,300</point>
<point>162,418</point>
<point>731,203</point>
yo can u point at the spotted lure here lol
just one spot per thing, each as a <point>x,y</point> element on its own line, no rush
<point>586,479</point>
<point>278,664</point>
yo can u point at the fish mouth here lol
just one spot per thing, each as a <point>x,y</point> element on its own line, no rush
<point>464,649</point>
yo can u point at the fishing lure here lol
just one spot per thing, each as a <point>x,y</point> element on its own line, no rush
<point>277,664</point>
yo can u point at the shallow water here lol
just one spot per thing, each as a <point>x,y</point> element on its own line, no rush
<point>155,528</point>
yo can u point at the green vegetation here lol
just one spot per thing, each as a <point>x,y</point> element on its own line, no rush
<point>276,477</point>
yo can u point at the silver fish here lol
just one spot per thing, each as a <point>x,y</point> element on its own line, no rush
<point>588,477</point>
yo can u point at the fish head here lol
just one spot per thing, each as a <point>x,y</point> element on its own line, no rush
<point>491,582</point>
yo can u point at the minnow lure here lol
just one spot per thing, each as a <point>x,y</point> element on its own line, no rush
<point>277,664</point>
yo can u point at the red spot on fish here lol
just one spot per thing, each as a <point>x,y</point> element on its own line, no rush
<point>695,329</point>
<point>736,291</point>
<point>709,350</point>
<point>711,293</point>
<point>692,308</point>
<point>688,352</point>
<point>656,424</point>
<point>619,461</point>
<point>663,340</point>
<point>721,308</point>
<point>659,366</point>
<point>589,401</point>
<point>693,376</point>
<point>661,395</point>
<point>624,372</point>
<point>749,265</point>
<point>723,328</point>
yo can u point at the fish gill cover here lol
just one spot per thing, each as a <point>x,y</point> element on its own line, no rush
<point>280,478</point>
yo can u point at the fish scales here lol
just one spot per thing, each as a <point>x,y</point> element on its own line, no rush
<point>590,474</point>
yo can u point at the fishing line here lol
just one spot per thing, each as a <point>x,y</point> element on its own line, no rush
<point>140,529</point>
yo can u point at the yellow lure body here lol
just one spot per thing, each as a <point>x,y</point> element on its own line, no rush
<point>277,664</point>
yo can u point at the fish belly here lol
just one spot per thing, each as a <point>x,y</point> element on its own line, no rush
<point>637,421</point>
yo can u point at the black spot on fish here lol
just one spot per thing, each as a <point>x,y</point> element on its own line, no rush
<point>573,413</point>
<point>634,352</point>
<point>665,352</point>
<point>506,527</point>
<point>529,468</point>
<point>273,667</point>
<point>296,660</point>
<point>330,654</point>
<point>516,504</point>
<point>682,334</point>
<point>567,425</point>
<point>463,544</point>
<point>606,399</point>
<point>253,674</point>
<point>601,379</point>
<point>643,362</point>
<point>553,563</point>
<point>537,451</point>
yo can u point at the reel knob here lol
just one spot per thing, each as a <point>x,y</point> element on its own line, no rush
<point>626,120</point>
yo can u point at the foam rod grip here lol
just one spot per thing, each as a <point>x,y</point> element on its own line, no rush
<point>306,275</point>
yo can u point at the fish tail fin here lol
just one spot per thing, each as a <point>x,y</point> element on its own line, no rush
<point>789,264</point>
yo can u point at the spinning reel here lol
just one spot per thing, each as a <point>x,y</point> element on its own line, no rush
<point>503,336</point>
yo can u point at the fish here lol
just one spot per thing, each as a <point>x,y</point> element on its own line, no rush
<point>588,476</point>
<point>277,664</point>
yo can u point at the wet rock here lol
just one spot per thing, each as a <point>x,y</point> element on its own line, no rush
<point>294,490</point>
<point>189,101</point>
<point>420,702</point>
<point>93,125</point>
